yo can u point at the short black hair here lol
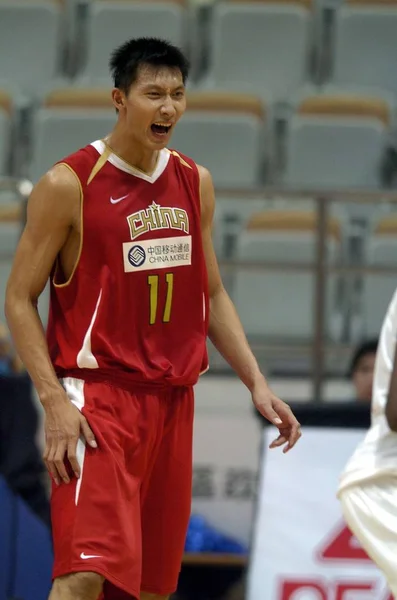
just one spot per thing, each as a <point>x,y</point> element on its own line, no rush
<point>126,60</point>
<point>366,347</point>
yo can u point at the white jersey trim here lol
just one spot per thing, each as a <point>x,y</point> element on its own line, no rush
<point>75,391</point>
<point>117,161</point>
<point>85,357</point>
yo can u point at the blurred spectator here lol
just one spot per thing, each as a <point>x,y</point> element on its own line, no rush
<point>20,461</point>
<point>9,361</point>
<point>361,370</point>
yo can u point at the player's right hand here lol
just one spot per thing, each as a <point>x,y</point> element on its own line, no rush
<point>64,424</point>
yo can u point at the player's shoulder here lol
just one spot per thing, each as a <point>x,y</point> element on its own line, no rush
<point>55,197</point>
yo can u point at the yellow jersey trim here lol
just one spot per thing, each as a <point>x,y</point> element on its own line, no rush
<point>66,283</point>
<point>183,162</point>
<point>100,163</point>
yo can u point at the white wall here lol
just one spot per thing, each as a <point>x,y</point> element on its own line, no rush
<point>226,454</point>
<point>227,440</point>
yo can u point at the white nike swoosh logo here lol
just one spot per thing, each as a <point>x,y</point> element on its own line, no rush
<point>85,556</point>
<point>116,200</point>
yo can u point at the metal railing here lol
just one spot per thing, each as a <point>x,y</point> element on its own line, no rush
<point>322,200</point>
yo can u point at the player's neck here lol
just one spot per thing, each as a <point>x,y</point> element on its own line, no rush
<point>136,156</point>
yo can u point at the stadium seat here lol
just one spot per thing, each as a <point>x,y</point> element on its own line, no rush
<point>9,236</point>
<point>378,289</point>
<point>11,214</point>
<point>336,141</point>
<point>69,119</point>
<point>29,43</point>
<point>111,23</point>
<point>365,44</point>
<point>224,132</point>
<point>279,304</point>
<point>5,130</point>
<point>260,47</point>
<point>5,269</point>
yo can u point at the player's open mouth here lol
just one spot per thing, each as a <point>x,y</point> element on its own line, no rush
<point>161,129</point>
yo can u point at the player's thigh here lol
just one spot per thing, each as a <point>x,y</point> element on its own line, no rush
<point>145,596</point>
<point>166,500</point>
<point>96,519</point>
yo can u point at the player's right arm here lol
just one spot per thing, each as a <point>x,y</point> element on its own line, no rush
<point>391,404</point>
<point>51,212</point>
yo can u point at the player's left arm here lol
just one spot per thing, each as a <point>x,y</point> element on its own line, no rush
<point>227,334</point>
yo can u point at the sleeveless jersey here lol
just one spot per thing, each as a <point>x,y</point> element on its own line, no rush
<point>377,453</point>
<point>135,308</point>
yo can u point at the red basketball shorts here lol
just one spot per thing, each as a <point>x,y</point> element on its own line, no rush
<point>126,517</point>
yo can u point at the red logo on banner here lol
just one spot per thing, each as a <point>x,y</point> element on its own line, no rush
<point>342,545</point>
<point>322,590</point>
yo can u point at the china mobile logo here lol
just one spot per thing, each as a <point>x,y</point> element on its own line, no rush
<point>343,548</point>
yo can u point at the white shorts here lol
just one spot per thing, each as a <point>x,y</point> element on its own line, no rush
<point>370,510</point>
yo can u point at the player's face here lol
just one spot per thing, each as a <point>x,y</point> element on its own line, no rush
<point>363,377</point>
<point>154,104</point>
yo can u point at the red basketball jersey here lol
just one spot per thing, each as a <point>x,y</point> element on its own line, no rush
<point>136,306</point>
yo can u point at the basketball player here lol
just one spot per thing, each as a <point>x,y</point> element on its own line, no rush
<point>124,228</point>
<point>368,485</point>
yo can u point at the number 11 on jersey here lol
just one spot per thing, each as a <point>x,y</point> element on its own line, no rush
<point>153,282</point>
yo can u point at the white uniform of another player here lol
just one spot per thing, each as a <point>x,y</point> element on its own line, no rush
<point>368,485</point>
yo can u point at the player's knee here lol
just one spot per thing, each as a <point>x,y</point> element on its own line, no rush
<point>78,586</point>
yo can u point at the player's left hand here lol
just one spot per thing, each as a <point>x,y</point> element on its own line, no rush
<point>279,413</point>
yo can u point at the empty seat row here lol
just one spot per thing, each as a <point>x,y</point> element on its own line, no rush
<point>277,303</point>
<point>273,57</point>
<point>329,141</point>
